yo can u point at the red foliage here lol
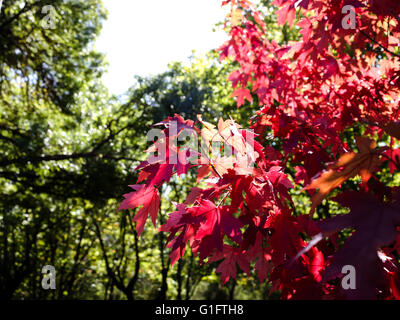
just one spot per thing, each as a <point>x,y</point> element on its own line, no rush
<point>310,92</point>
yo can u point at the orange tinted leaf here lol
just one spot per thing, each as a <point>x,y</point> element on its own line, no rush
<point>348,166</point>
<point>209,133</point>
<point>228,130</point>
<point>223,164</point>
<point>236,17</point>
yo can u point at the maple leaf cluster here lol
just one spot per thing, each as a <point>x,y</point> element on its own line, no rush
<point>310,93</point>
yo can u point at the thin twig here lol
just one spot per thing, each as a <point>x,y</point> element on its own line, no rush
<point>383,47</point>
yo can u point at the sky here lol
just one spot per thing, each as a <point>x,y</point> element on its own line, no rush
<point>140,37</point>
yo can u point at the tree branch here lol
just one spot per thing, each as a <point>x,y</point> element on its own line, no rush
<point>376,42</point>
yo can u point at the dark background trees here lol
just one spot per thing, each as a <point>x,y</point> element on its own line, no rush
<point>67,152</point>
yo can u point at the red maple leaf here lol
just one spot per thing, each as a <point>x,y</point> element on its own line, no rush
<point>147,196</point>
<point>232,256</point>
<point>375,227</point>
<point>241,94</point>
